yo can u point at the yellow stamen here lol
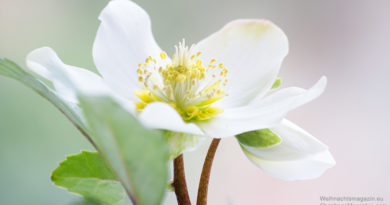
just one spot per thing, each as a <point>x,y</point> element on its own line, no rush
<point>212,86</point>
<point>139,106</point>
<point>180,83</point>
<point>163,55</point>
<point>144,95</point>
<point>209,101</point>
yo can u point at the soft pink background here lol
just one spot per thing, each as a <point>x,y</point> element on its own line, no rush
<point>348,41</point>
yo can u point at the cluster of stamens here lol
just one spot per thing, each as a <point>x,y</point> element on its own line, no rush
<point>186,83</point>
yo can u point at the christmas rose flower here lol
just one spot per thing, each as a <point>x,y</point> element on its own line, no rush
<point>219,87</point>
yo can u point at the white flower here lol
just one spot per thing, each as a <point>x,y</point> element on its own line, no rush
<point>214,88</point>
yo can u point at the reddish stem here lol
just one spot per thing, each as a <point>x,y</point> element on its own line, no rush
<point>205,177</point>
<point>179,182</point>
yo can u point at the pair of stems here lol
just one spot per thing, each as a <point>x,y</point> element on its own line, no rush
<point>179,180</point>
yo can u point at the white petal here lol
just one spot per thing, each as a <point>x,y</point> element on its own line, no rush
<point>67,80</point>
<point>124,40</point>
<point>307,168</point>
<point>296,144</point>
<point>262,114</point>
<point>159,115</point>
<point>252,51</point>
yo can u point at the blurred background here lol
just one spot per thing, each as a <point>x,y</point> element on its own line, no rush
<point>348,41</point>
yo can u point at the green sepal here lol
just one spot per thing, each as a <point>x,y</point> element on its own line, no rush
<point>179,142</point>
<point>260,138</point>
<point>87,174</point>
<point>277,83</point>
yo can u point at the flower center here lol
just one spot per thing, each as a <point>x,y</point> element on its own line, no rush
<point>186,84</point>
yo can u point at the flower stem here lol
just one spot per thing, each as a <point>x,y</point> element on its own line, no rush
<point>205,177</point>
<point>179,181</point>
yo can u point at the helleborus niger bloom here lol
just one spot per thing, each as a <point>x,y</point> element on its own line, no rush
<point>218,87</point>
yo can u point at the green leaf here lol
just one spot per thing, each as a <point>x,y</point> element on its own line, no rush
<point>84,202</point>
<point>179,142</point>
<point>137,155</point>
<point>10,69</point>
<point>87,174</point>
<point>259,138</point>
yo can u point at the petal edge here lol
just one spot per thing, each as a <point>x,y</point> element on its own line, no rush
<point>252,50</point>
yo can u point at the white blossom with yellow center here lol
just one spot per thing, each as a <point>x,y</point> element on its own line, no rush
<point>218,87</point>
<point>187,84</point>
